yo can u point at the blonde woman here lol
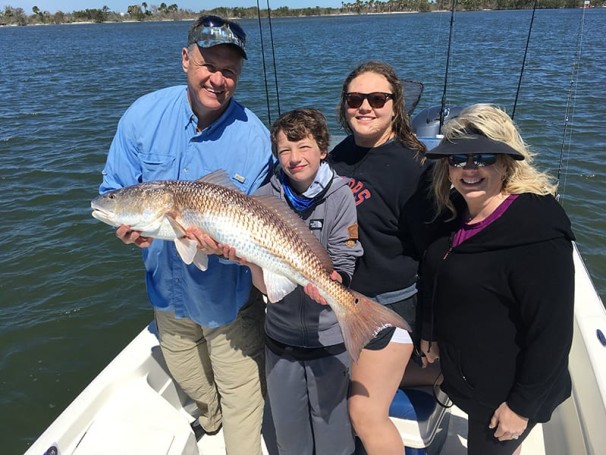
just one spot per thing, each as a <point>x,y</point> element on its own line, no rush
<point>497,292</point>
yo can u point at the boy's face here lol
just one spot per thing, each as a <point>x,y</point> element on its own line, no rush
<point>300,160</point>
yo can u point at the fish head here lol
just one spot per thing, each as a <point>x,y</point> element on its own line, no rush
<point>143,207</point>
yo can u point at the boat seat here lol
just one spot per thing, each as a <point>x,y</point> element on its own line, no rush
<point>422,422</point>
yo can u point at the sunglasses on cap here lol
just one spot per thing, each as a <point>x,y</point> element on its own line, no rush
<point>376,99</point>
<point>477,159</point>
<point>214,30</point>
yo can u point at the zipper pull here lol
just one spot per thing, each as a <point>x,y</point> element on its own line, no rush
<point>450,240</point>
<point>447,253</point>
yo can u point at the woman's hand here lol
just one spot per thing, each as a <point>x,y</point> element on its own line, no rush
<point>129,236</point>
<point>313,292</point>
<point>430,352</point>
<point>508,424</point>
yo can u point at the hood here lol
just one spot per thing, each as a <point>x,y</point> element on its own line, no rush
<point>530,219</point>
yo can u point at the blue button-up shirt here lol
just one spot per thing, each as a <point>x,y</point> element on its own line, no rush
<point>157,139</point>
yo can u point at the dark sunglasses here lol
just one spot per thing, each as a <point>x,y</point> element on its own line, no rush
<point>376,99</point>
<point>477,159</point>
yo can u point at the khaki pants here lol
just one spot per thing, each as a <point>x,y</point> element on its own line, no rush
<point>222,370</point>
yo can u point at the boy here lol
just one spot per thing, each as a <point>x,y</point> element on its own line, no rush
<point>307,366</point>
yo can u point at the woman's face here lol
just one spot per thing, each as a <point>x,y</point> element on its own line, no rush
<point>371,126</point>
<point>478,184</point>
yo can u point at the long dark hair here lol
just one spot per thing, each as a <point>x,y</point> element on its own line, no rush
<point>400,123</point>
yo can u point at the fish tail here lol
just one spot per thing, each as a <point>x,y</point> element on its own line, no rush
<point>365,322</point>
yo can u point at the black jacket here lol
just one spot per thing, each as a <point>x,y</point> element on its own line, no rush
<point>501,307</point>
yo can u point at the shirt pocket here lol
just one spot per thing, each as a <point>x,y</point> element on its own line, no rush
<point>157,167</point>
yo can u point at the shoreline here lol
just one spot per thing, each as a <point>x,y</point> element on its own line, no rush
<point>189,19</point>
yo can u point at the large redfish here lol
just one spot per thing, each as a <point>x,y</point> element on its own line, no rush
<point>262,229</point>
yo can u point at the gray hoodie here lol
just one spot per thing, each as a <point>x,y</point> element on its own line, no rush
<point>297,320</point>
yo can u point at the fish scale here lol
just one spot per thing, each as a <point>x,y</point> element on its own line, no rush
<point>263,230</point>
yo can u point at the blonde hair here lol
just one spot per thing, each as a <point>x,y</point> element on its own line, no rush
<point>520,175</point>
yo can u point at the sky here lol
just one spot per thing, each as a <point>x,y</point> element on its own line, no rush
<point>68,6</point>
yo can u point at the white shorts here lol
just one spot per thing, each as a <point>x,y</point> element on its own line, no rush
<point>401,336</point>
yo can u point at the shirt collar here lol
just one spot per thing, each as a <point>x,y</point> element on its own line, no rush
<point>192,118</point>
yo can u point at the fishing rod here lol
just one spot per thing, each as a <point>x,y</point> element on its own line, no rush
<point>443,102</point>
<point>273,53</point>
<point>570,105</point>
<point>515,103</point>
<point>273,56</point>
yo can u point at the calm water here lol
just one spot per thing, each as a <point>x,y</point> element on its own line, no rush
<point>72,296</point>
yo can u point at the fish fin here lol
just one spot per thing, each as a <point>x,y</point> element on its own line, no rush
<point>366,320</point>
<point>289,217</point>
<point>277,286</point>
<point>220,178</point>
<point>201,260</point>
<point>179,230</point>
<point>187,249</point>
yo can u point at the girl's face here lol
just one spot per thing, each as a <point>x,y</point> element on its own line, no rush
<point>371,126</point>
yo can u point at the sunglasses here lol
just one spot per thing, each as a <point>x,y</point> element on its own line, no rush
<point>216,21</point>
<point>376,99</point>
<point>215,30</point>
<point>477,159</point>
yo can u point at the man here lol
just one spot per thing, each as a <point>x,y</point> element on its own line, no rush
<point>210,324</point>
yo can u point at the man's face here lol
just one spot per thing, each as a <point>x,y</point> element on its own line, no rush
<point>212,78</point>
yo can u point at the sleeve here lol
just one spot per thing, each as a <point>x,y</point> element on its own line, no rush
<point>543,284</point>
<point>260,143</point>
<point>421,225</point>
<point>122,167</point>
<point>344,246</point>
<point>425,286</point>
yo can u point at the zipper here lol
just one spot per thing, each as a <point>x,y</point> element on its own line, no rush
<point>435,286</point>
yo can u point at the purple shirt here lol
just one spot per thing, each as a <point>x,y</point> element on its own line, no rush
<point>468,230</point>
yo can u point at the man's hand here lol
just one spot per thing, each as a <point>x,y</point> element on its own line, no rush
<point>206,243</point>
<point>129,236</point>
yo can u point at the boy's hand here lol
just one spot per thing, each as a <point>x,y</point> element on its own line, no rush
<point>313,292</point>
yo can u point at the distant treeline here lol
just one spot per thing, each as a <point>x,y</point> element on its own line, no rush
<point>145,12</point>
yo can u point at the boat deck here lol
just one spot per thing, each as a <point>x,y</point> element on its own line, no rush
<point>456,441</point>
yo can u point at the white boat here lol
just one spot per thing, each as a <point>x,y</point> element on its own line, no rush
<point>134,407</point>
